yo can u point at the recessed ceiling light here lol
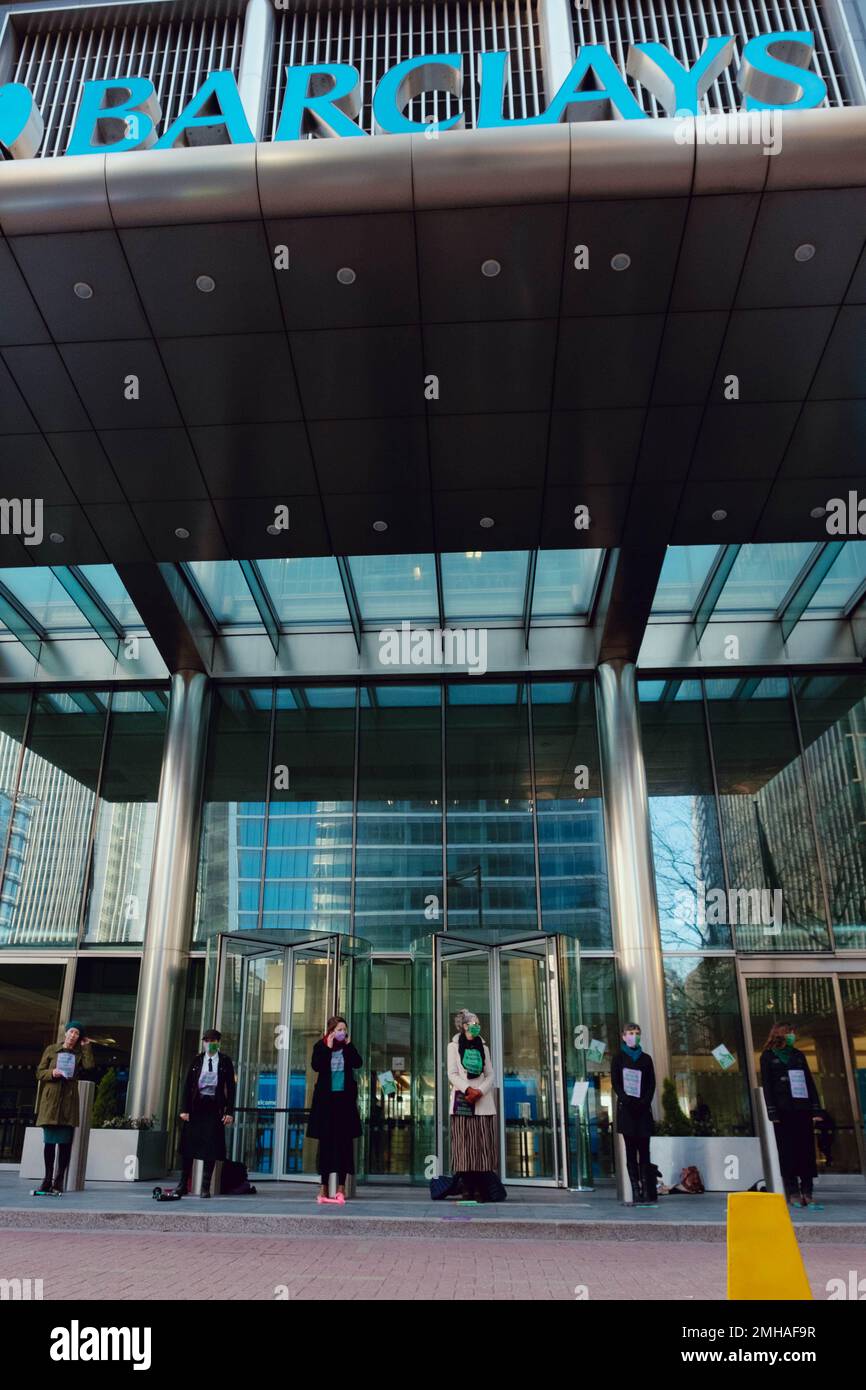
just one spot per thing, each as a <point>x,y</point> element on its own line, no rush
<point>182,533</point>
<point>490,268</point>
<point>81,290</point>
<point>487,522</point>
<point>57,538</point>
<point>380,525</point>
<point>817,512</point>
<point>346,275</point>
<point>621,261</point>
<point>205,283</point>
<point>719,514</point>
<point>804,252</point>
<point>272,530</point>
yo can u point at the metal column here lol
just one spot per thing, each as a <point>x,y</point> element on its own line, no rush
<point>164,959</point>
<point>255,67</point>
<point>634,911</point>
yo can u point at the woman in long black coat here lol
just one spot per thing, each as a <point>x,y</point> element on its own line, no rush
<point>792,1102</point>
<point>334,1118</point>
<point>633,1078</point>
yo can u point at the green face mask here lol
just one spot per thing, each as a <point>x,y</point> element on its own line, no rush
<point>790,1039</point>
<point>213,1047</point>
<point>473,1030</point>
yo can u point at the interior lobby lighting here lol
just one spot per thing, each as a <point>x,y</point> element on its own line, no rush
<point>82,290</point>
<point>346,275</point>
<point>380,525</point>
<point>804,252</point>
<point>719,514</point>
<point>490,269</point>
<point>182,533</point>
<point>487,522</point>
<point>205,283</point>
<point>621,261</point>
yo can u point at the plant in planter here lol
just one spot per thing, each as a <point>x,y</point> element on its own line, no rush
<point>105,1102</point>
<point>127,1122</point>
<point>675,1123</point>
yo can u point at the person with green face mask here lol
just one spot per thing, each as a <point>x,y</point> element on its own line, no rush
<point>633,1078</point>
<point>474,1138</point>
<point>208,1107</point>
<point>792,1102</point>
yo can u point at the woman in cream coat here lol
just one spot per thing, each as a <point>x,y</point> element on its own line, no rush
<point>474,1136</point>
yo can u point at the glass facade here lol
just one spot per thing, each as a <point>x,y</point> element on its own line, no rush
<point>326,808</point>
<point>81,777</point>
<point>385,813</point>
<point>757,810</point>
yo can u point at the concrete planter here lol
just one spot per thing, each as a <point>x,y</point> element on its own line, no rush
<point>712,1159</point>
<point>113,1155</point>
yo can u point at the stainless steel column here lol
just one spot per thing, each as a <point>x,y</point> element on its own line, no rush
<point>634,911</point>
<point>162,984</point>
<point>255,66</point>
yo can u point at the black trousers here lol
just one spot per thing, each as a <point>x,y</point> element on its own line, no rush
<point>637,1150</point>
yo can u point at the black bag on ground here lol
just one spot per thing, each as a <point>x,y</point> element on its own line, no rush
<point>442,1187</point>
<point>493,1188</point>
<point>235,1181</point>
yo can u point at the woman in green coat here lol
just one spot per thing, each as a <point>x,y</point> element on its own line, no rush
<point>58,1075</point>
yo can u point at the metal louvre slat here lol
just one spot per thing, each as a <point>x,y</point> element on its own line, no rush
<point>376,35</point>
<point>684,28</point>
<point>176,54</point>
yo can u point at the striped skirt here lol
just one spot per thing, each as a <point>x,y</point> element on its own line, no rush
<point>474,1144</point>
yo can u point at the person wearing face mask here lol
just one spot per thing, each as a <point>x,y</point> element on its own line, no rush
<point>633,1078</point>
<point>474,1138</point>
<point>57,1109</point>
<point>792,1101</point>
<point>208,1108</point>
<point>334,1118</point>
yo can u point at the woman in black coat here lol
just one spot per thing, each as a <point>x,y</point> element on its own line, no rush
<point>792,1101</point>
<point>334,1118</point>
<point>633,1078</point>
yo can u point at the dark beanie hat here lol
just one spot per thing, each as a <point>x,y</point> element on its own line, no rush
<point>73,1023</point>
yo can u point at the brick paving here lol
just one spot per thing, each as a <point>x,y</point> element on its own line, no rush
<point>136,1265</point>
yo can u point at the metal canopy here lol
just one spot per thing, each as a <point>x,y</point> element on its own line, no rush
<point>554,386</point>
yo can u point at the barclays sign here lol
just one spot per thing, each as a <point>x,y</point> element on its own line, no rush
<point>123,113</point>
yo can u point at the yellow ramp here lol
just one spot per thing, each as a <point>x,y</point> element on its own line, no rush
<point>764,1259</point>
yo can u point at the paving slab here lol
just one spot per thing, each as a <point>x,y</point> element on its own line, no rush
<point>285,1209</point>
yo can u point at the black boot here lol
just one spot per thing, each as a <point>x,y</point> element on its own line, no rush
<point>48,1179</point>
<point>650,1189</point>
<point>637,1193</point>
<point>64,1152</point>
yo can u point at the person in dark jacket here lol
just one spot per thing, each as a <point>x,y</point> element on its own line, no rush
<point>334,1118</point>
<point>208,1102</point>
<point>58,1074</point>
<point>633,1078</point>
<point>792,1101</point>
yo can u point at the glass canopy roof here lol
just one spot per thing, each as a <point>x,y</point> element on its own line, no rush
<point>506,586</point>
<point>761,580</point>
<point>786,582</point>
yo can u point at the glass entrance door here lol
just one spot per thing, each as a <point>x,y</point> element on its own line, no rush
<point>528,1135</point>
<point>512,987</point>
<point>828,1016</point>
<point>273,1001</point>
